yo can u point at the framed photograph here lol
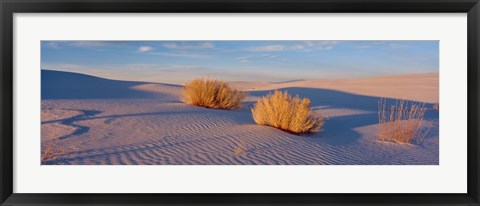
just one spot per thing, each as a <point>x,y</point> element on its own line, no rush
<point>239,102</point>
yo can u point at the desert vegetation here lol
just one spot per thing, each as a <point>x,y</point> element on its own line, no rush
<point>214,94</point>
<point>240,149</point>
<point>401,122</point>
<point>282,111</point>
<point>49,153</point>
<point>436,106</point>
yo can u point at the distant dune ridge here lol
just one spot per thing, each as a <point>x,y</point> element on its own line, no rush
<point>416,87</point>
<point>121,122</point>
<point>69,85</point>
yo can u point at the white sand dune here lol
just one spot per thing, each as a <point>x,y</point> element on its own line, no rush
<point>119,122</point>
<point>416,87</point>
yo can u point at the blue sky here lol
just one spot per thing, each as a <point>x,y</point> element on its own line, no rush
<point>179,61</point>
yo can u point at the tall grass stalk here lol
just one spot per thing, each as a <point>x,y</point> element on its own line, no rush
<point>401,122</point>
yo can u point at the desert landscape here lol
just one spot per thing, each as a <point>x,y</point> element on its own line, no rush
<point>90,120</point>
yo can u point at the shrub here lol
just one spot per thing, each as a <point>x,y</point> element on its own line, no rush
<point>49,153</point>
<point>290,114</point>
<point>401,122</point>
<point>436,106</point>
<point>214,94</point>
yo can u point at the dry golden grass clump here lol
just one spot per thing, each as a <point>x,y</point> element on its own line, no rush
<point>214,94</point>
<point>50,153</point>
<point>436,106</point>
<point>240,149</point>
<point>401,122</point>
<point>282,111</point>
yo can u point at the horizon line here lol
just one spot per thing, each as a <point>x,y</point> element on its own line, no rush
<point>276,82</point>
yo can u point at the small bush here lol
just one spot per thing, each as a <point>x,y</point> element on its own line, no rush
<point>282,111</point>
<point>436,106</point>
<point>401,123</point>
<point>49,153</point>
<point>214,94</point>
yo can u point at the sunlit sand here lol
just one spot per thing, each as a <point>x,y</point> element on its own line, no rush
<point>92,120</point>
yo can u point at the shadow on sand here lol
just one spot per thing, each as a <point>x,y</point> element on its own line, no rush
<point>337,130</point>
<point>334,99</point>
<point>68,85</point>
<point>80,128</point>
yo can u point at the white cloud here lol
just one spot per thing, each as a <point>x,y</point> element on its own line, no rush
<point>80,44</point>
<point>145,49</point>
<point>62,66</point>
<point>276,47</point>
<point>321,45</point>
<point>245,59</point>
<point>149,67</point>
<point>51,44</point>
<point>89,44</point>
<point>362,47</point>
<point>185,55</point>
<point>183,67</point>
<point>205,45</point>
<point>298,46</point>
<point>309,43</point>
<point>398,46</point>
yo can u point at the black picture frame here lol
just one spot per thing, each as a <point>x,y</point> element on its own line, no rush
<point>10,7</point>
